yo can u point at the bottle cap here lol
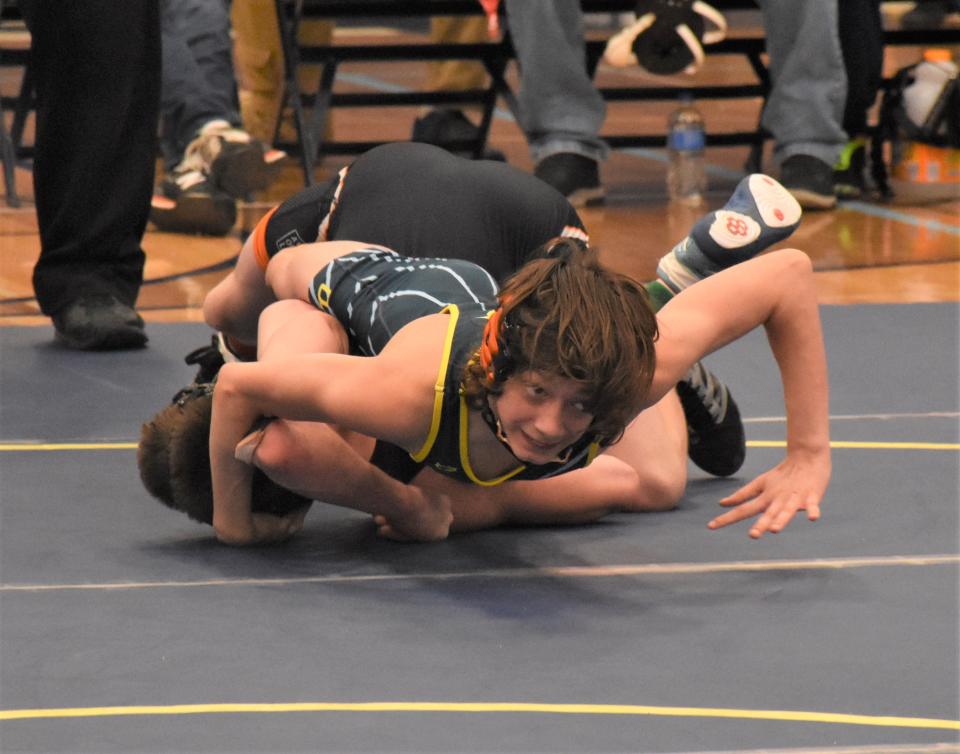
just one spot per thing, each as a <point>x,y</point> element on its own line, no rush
<point>937,55</point>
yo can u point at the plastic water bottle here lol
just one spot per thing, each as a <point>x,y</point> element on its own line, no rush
<point>686,140</point>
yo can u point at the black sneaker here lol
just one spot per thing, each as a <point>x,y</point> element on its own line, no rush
<point>717,443</point>
<point>809,180</point>
<point>849,180</point>
<point>188,203</point>
<point>99,322</point>
<point>453,131</point>
<point>573,175</point>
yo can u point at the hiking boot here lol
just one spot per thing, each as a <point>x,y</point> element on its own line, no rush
<point>188,203</point>
<point>849,181</point>
<point>809,180</point>
<point>99,322</point>
<point>453,131</point>
<point>573,175</point>
<point>235,162</point>
<point>759,214</point>
<point>717,443</point>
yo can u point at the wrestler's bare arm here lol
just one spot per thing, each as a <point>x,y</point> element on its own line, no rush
<point>776,291</point>
<point>389,396</point>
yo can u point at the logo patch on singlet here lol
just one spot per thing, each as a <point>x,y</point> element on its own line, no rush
<point>292,238</point>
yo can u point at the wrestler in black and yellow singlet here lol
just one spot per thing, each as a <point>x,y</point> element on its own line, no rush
<point>375,292</point>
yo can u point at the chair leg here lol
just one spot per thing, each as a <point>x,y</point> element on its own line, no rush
<point>9,164</point>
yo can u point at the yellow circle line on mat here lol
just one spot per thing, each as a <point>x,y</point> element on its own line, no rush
<point>488,707</point>
<point>862,445</point>
<point>13,447</point>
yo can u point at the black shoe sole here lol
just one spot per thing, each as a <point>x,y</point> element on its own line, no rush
<point>118,339</point>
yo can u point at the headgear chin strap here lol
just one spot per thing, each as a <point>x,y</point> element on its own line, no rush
<point>667,37</point>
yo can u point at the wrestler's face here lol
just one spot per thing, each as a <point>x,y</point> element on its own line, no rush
<point>541,414</point>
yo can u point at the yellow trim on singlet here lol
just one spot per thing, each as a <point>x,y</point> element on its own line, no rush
<point>465,452</point>
<point>438,387</point>
<point>592,455</point>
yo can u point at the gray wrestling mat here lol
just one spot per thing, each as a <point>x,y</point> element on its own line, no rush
<point>124,627</point>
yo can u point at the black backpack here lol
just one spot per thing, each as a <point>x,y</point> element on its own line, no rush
<point>941,127</point>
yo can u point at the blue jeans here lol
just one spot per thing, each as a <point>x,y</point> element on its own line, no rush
<point>560,108</point>
<point>199,84</point>
<point>804,111</point>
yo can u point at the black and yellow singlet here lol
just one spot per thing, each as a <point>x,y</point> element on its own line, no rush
<point>446,449</point>
<point>375,292</point>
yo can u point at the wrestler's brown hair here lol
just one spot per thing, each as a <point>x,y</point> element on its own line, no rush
<point>174,461</point>
<point>566,314</point>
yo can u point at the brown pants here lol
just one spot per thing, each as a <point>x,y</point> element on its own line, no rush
<point>259,60</point>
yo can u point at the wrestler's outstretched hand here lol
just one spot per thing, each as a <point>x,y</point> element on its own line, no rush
<point>797,483</point>
<point>429,518</point>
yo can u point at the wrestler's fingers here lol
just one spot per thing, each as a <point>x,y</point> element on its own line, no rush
<point>748,491</point>
<point>742,511</point>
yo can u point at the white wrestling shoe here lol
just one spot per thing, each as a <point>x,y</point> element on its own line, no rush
<point>759,214</point>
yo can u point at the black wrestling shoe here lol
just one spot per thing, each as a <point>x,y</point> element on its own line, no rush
<point>450,130</point>
<point>717,443</point>
<point>99,323</point>
<point>575,176</point>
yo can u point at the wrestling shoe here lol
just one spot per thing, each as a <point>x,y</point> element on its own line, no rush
<point>759,214</point>
<point>573,175</point>
<point>188,203</point>
<point>236,163</point>
<point>717,443</point>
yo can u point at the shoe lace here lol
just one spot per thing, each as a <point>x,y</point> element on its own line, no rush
<point>711,392</point>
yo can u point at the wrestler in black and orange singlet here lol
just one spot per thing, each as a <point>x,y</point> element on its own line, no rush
<point>422,201</point>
